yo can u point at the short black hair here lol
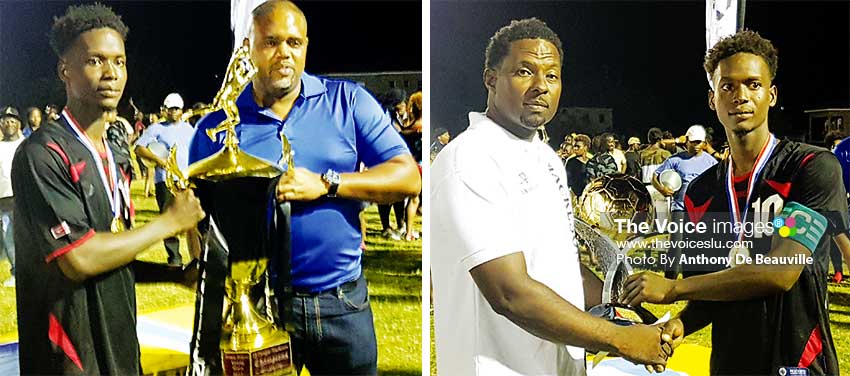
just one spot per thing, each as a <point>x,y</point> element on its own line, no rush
<point>529,28</point>
<point>654,135</point>
<point>743,41</point>
<point>392,98</point>
<point>80,19</point>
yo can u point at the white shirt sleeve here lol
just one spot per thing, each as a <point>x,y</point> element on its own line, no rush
<point>474,204</point>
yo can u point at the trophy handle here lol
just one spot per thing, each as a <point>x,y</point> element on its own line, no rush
<point>287,154</point>
<point>175,181</point>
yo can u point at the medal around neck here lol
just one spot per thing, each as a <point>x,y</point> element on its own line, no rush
<point>117,225</point>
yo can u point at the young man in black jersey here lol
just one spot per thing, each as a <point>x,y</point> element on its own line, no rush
<point>764,317</point>
<point>76,298</point>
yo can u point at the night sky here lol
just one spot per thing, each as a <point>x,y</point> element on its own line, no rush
<point>184,46</point>
<point>644,59</point>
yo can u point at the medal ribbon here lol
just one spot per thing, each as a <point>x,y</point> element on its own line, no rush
<point>114,196</point>
<point>761,161</point>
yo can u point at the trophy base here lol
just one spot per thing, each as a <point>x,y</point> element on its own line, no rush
<point>273,360</point>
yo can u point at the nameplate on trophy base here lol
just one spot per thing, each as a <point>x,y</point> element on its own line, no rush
<point>274,360</point>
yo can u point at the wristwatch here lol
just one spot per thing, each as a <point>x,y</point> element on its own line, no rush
<point>333,179</point>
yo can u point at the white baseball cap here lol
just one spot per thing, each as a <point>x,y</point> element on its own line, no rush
<point>633,141</point>
<point>696,133</point>
<point>173,100</point>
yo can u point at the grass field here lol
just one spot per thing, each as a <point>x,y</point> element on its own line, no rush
<point>393,269</point>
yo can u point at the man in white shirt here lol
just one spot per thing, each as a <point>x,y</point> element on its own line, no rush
<point>509,295</point>
<point>10,125</point>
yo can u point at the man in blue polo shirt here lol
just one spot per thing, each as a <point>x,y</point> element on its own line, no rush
<point>688,164</point>
<point>332,126</point>
<point>173,132</point>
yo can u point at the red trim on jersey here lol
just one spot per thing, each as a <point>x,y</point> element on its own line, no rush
<point>783,189</point>
<point>59,151</point>
<point>806,159</point>
<point>696,212</point>
<point>813,348</point>
<point>742,178</point>
<point>74,169</point>
<point>68,248</point>
<point>59,338</point>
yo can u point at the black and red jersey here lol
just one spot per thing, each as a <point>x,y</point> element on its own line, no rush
<point>790,329</point>
<point>67,327</point>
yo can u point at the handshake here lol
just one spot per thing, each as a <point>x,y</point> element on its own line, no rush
<point>650,345</point>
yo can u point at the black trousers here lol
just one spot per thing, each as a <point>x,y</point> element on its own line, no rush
<point>835,257</point>
<point>384,214</point>
<point>672,271</point>
<point>172,244</point>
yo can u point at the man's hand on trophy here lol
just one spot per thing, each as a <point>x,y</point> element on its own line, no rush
<point>642,344</point>
<point>648,287</point>
<point>184,212</point>
<point>301,185</point>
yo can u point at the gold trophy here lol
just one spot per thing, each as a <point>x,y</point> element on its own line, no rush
<point>253,345</point>
<point>232,336</point>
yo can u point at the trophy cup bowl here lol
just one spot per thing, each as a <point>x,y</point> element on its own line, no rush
<point>609,198</point>
<point>605,200</point>
<point>671,180</point>
<point>235,311</point>
<point>249,342</point>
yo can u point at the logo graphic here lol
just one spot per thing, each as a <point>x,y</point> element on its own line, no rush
<point>787,226</point>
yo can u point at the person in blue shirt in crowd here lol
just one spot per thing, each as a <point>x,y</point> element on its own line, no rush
<point>332,126</point>
<point>173,132</point>
<point>34,118</point>
<point>688,164</point>
<point>841,247</point>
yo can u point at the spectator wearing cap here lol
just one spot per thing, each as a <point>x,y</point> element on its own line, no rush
<point>688,164</point>
<point>633,158</point>
<point>441,139</point>
<point>171,133</point>
<point>10,125</point>
<point>34,118</point>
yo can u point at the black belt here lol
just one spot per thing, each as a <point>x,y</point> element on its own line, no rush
<point>306,292</point>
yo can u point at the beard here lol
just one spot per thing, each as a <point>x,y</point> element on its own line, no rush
<point>282,87</point>
<point>533,121</point>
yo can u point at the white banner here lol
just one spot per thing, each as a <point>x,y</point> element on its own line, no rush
<point>721,20</point>
<point>240,19</point>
